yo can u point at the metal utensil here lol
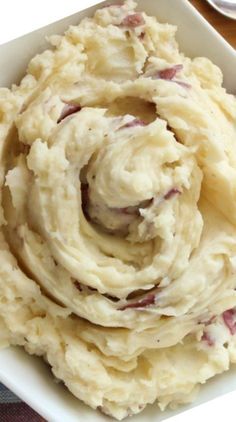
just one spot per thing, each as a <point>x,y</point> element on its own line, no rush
<point>225,7</point>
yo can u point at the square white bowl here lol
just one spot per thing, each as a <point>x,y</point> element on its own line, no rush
<point>28,376</point>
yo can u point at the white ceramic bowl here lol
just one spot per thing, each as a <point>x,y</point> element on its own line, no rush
<point>28,376</point>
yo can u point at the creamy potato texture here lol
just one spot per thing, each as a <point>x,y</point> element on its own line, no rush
<point>118,214</point>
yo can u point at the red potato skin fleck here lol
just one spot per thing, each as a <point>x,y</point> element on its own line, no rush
<point>229,318</point>
<point>68,109</point>
<point>143,303</point>
<point>169,73</point>
<point>171,193</point>
<point>207,338</point>
<point>133,20</point>
<point>133,123</point>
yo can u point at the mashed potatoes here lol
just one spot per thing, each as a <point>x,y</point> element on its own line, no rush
<point>118,214</point>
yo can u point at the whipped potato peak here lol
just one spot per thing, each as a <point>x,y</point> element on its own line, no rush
<point>118,204</point>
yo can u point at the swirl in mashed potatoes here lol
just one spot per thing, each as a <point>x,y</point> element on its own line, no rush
<point>118,214</point>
